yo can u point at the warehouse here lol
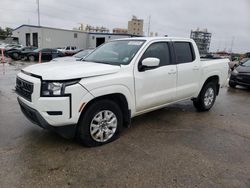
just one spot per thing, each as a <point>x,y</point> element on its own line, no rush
<point>48,37</point>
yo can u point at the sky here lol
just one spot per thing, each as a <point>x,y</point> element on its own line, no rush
<point>227,20</point>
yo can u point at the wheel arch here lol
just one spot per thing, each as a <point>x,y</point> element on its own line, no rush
<point>119,99</point>
<point>215,79</point>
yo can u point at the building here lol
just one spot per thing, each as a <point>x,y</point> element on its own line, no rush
<point>120,30</point>
<point>135,26</point>
<point>48,37</point>
<point>202,39</point>
<point>101,29</point>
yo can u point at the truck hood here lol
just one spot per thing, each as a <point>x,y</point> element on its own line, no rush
<point>69,58</point>
<point>70,70</point>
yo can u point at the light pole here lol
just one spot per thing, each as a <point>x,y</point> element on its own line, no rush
<point>38,12</point>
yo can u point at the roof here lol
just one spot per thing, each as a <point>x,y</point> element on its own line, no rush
<point>119,34</point>
<point>45,27</point>
<point>36,26</point>
<point>157,38</point>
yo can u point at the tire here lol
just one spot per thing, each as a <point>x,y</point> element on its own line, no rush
<point>31,58</point>
<point>206,98</point>
<point>15,56</point>
<point>231,84</point>
<point>92,132</point>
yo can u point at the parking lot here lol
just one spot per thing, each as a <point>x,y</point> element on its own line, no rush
<point>172,147</point>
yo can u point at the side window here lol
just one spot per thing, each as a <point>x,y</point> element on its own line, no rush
<point>184,52</point>
<point>158,50</point>
<point>68,48</point>
<point>46,50</point>
<point>53,50</point>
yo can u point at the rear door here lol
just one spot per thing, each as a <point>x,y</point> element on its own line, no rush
<point>46,54</point>
<point>156,86</point>
<point>188,69</point>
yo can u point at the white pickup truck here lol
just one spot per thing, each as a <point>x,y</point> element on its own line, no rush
<point>95,98</point>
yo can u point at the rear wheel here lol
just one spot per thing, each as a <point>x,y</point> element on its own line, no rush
<point>15,56</point>
<point>31,58</point>
<point>100,124</point>
<point>206,98</point>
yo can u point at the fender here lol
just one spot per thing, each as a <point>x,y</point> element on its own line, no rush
<point>206,75</point>
<point>121,89</point>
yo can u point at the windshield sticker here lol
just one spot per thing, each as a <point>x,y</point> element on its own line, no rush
<point>136,43</point>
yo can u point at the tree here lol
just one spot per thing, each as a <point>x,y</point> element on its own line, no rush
<point>7,32</point>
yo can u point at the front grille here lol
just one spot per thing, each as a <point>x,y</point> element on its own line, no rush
<point>24,88</point>
<point>243,78</point>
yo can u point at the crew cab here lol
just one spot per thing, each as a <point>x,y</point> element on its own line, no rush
<point>94,99</point>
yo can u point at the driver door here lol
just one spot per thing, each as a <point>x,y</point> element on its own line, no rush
<point>156,86</point>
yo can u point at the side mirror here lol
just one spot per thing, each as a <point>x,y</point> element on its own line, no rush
<point>149,63</point>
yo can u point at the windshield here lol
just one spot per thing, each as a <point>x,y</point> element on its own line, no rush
<point>118,52</point>
<point>37,50</point>
<point>82,54</point>
<point>246,63</point>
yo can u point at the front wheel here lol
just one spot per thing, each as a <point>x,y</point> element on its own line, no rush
<point>101,123</point>
<point>232,84</point>
<point>206,98</point>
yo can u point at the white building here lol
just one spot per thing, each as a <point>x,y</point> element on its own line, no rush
<point>48,37</point>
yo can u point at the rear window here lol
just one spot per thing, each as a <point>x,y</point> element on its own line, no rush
<point>184,52</point>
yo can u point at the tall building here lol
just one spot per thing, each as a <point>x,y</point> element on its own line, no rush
<point>202,39</point>
<point>135,26</point>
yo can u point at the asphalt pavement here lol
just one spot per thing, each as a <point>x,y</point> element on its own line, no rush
<point>172,147</point>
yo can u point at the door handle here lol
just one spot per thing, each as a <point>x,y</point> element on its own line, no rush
<point>196,68</point>
<point>172,72</point>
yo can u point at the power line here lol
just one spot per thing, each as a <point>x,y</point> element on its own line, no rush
<point>16,10</point>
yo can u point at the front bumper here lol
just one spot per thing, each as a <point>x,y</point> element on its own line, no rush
<point>35,117</point>
<point>241,80</point>
<point>60,113</point>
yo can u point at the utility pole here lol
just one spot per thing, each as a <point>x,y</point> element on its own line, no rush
<point>38,11</point>
<point>149,19</point>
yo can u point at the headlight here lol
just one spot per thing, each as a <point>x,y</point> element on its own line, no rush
<point>55,88</point>
<point>235,72</point>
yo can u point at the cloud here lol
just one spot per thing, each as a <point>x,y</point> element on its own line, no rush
<point>227,20</point>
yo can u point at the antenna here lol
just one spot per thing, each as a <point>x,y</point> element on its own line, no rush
<point>38,11</point>
<point>149,19</point>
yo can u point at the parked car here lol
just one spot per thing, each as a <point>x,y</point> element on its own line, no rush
<point>47,54</point>
<point>69,50</point>
<point>77,57</point>
<point>8,47</point>
<point>234,64</point>
<point>12,46</point>
<point>247,55</point>
<point>241,75</point>
<point>121,79</point>
<point>19,53</point>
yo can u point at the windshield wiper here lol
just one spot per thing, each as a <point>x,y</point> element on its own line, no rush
<point>102,62</point>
